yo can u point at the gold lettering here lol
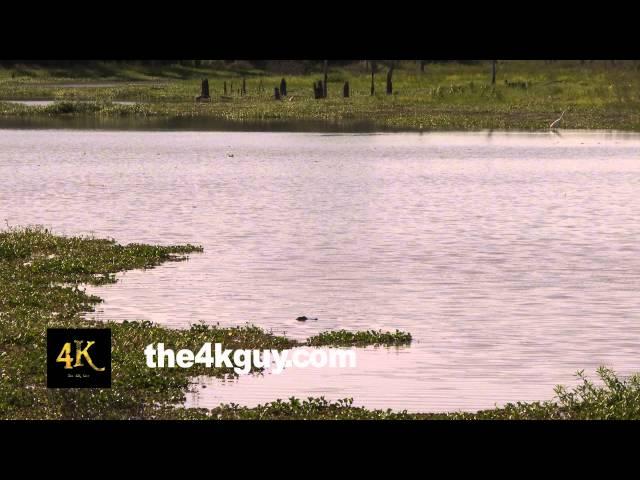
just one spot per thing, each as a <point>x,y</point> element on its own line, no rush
<point>65,356</point>
<point>80,352</point>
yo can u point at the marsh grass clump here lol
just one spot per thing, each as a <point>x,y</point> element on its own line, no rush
<point>70,107</point>
<point>611,397</point>
<point>344,338</point>
<point>311,408</point>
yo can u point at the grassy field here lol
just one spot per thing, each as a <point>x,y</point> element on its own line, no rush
<point>527,95</point>
<point>40,279</point>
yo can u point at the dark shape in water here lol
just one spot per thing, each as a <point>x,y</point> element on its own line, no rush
<point>305,318</point>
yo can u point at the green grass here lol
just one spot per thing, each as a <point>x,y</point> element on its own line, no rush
<point>345,338</point>
<point>527,95</point>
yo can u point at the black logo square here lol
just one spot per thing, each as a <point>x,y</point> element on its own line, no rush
<point>78,358</point>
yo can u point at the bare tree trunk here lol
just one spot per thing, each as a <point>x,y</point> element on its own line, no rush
<point>244,86</point>
<point>493,72</point>
<point>345,90</point>
<point>324,86</point>
<point>389,79</point>
<point>373,73</point>
<point>204,89</point>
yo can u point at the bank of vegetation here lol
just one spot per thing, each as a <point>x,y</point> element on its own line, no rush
<point>394,95</point>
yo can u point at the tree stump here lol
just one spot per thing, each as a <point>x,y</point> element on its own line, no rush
<point>345,90</point>
<point>283,87</point>
<point>276,93</point>
<point>225,87</point>
<point>204,91</point>
<point>324,87</point>
<point>244,86</point>
<point>318,90</point>
<point>374,67</point>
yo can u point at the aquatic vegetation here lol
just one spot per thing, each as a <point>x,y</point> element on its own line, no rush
<point>529,95</point>
<point>344,338</point>
<point>41,278</point>
<point>41,275</point>
<point>616,398</point>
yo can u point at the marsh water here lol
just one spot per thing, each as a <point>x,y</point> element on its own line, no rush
<point>512,258</point>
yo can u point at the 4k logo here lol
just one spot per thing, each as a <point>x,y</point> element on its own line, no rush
<point>78,358</point>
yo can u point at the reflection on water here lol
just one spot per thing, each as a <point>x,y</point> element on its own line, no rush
<point>513,259</point>
<point>46,103</point>
<point>191,123</point>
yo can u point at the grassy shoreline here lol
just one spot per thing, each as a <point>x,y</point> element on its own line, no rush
<point>526,96</point>
<point>40,275</point>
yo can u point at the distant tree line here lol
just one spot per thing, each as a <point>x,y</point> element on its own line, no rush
<point>258,64</point>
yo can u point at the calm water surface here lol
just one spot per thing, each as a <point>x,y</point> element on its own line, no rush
<point>513,259</point>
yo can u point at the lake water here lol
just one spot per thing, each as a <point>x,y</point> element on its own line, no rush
<point>512,258</point>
